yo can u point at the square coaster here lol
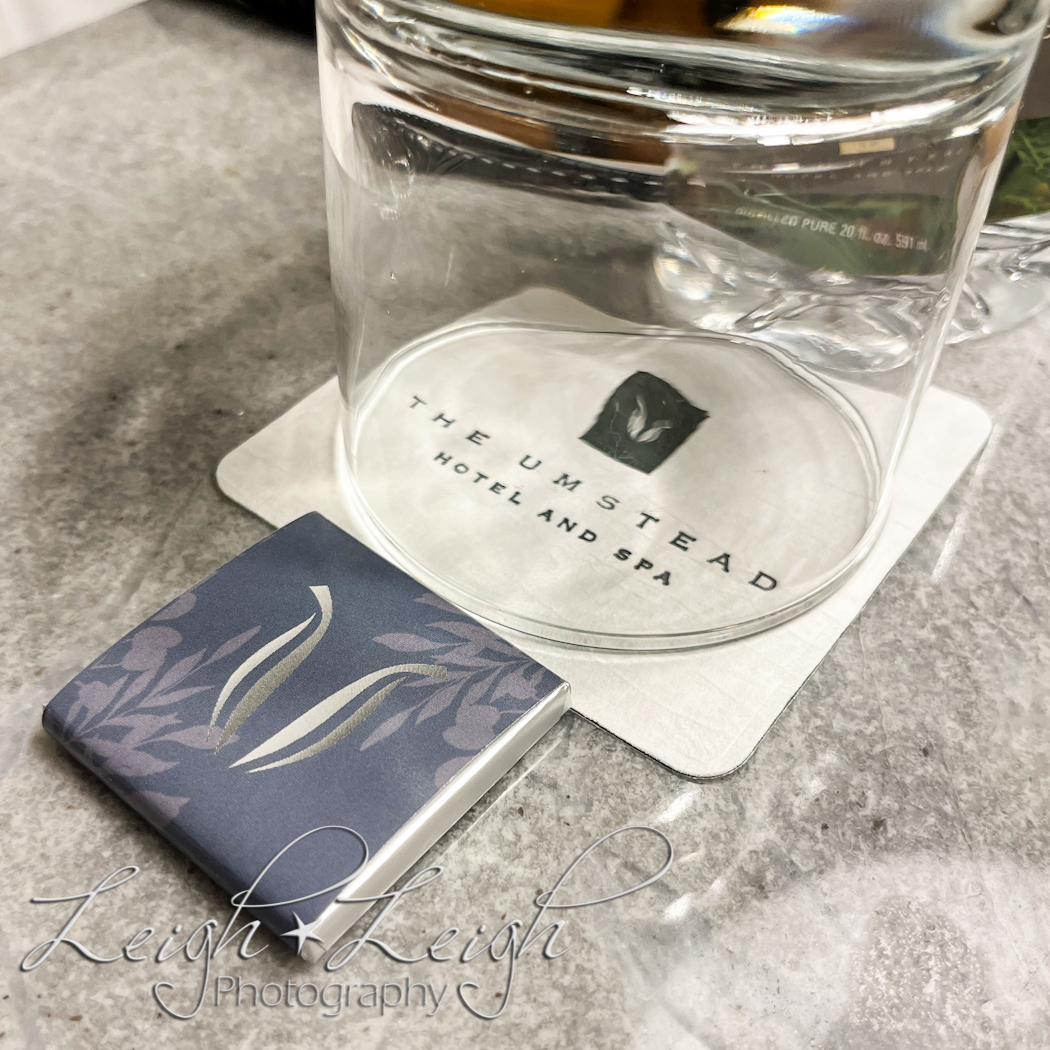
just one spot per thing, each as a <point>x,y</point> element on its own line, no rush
<point>705,710</point>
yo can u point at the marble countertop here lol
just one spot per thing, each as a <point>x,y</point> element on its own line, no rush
<point>876,877</point>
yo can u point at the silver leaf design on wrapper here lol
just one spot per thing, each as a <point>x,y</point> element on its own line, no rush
<point>253,661</point>
<point>276,676</point>
<point>320,713</point>
<point>462,660</point>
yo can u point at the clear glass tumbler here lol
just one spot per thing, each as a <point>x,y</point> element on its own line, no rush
<point>633,324</point>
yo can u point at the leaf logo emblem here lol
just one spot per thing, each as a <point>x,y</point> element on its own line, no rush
<point>317,715</point>
<point>636,424</point>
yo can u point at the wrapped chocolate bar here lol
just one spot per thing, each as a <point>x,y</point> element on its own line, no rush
<point>305,723</point>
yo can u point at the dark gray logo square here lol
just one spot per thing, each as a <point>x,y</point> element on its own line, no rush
<point>643,422</point>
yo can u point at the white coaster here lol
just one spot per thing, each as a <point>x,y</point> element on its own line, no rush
<point>701,712</point>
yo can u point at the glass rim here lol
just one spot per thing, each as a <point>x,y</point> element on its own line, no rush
<point>475,23</point>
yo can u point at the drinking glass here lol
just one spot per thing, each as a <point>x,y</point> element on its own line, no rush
<point>635,313</point>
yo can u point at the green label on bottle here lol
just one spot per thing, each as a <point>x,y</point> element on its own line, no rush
<point>882,207</point>
<point>874,235</point>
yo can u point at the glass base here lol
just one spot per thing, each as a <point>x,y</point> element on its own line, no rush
<point>638,490</point>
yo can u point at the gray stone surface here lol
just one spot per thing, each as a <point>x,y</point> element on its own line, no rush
<point>876,877</point>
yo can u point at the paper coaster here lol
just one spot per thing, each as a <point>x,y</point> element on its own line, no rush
<point>701,712</point>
